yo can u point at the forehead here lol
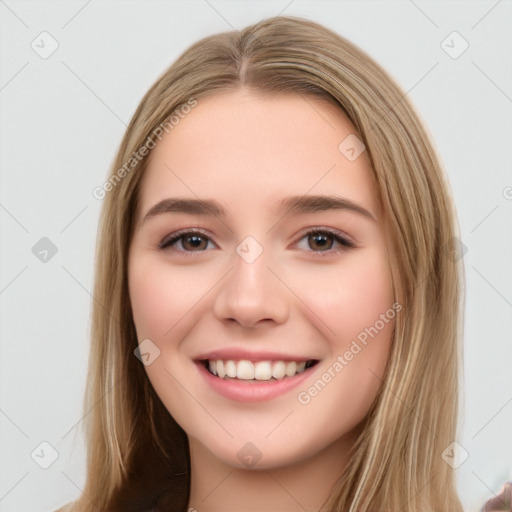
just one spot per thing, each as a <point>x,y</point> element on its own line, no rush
<point>241,147</point>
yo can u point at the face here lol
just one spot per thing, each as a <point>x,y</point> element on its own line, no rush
<point>259,278</point>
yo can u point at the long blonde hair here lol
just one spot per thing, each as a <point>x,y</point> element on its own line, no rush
<point>136,451</point>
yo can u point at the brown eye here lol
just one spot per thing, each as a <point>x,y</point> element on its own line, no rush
<point>186,241</point>
<point>321,241</point>
<point>194,242</point>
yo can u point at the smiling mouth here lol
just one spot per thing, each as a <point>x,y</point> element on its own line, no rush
<point>259,371</point>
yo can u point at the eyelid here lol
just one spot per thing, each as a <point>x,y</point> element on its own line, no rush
<point>176,235</point>
<point>340,237</point>
<point>335,233</point>
<point>345,242</point>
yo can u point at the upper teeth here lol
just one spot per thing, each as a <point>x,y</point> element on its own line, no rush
<point>261,370</point>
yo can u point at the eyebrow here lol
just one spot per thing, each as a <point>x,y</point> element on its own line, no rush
<point>294,205</point>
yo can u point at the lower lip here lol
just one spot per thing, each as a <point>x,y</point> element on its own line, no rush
<point>259,391</point>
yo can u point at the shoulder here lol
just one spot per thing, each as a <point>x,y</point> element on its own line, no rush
<point>502,501</point>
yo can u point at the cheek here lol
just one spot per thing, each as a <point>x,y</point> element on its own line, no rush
<point>163,300</point>
<point>148,298</point>
<point>349,297</point>
<point>357,319</point>
<point>161,297</point>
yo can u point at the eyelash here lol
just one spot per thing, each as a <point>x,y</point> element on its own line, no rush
<point>344,242</point>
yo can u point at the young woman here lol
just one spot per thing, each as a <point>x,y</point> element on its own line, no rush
<point>277,305</point>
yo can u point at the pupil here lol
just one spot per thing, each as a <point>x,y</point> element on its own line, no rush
<point>321,240</point>
<point>195,241</point>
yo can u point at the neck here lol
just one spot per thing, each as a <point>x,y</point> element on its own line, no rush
<point>305,485</point>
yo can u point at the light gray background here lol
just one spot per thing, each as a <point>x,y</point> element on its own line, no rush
<point>63,117</point>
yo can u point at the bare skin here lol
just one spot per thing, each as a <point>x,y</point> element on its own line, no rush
<point>303,296</point>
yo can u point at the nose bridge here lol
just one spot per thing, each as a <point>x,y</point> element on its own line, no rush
<point>250,273</point>
<point>250,292</point>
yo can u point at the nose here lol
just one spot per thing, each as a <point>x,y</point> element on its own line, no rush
<point>251,294</point>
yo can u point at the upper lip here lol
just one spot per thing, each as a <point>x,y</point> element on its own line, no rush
<point>237,354</point>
